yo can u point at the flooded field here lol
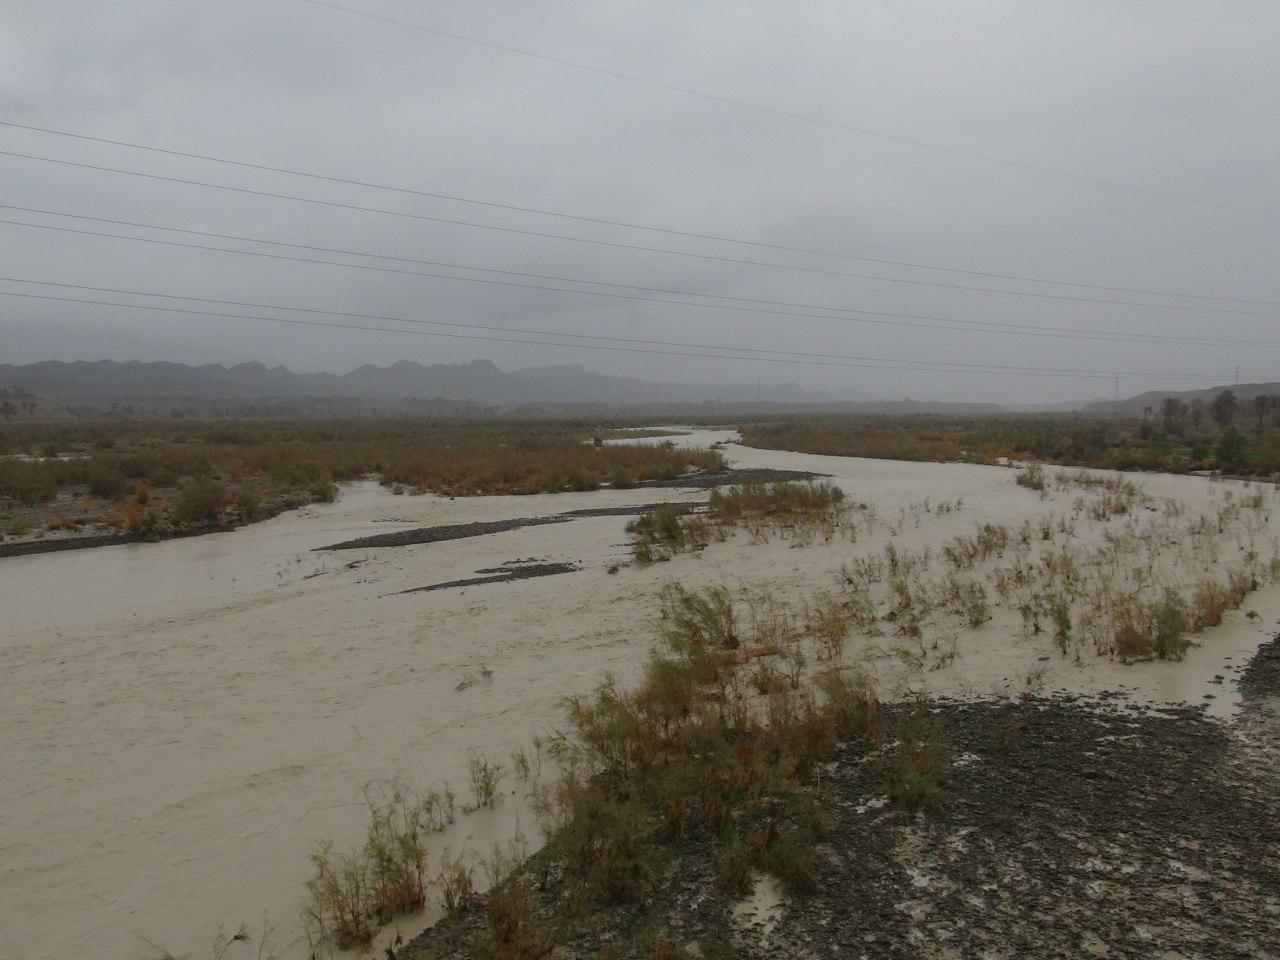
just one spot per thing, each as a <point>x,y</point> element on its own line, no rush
<point>185,720</point>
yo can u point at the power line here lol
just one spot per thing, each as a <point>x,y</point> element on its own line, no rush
<point>503,328</point>
<point>594,220</point>
<point>739,261</point>
<point>755,301</point>
<point>792,115</point>
<point>871,317</point>
<point>804,359</point>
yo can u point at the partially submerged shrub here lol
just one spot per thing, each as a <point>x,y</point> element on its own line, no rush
<point>323,490</point>
<point>457,882</point>
<point>350,895</point>
<point>341,906</point>
<point>1032,477</point>
<point>485,776</point>
<point>788,509</point>
<point>659,534</point>
<point>1145,629</point>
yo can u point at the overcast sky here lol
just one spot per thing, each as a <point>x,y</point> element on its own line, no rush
<point>1177,96</point>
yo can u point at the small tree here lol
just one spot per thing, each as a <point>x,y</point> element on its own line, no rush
<point>1224,407</point>
<point>1262,405</point>
<point>1197,413</point>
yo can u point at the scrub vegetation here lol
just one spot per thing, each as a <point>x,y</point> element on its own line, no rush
<point>159,477</point>
<point>1238,437</point>
<point>721,743</point>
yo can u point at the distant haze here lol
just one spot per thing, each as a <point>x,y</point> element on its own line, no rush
<point>1179,97</point>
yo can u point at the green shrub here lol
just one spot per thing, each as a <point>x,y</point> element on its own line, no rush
<point>200,501</point>
<point>108,482</point>
<point>323,490</point>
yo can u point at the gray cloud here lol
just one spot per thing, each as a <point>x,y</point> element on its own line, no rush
<point>1179,97</point>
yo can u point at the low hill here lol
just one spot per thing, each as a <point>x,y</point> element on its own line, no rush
<point>1134,406</point>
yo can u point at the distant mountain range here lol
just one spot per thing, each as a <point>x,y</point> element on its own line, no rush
<point>408,389</point>
<point>150,385</point>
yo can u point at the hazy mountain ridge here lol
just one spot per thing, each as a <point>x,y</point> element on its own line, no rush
<point>480,381</point>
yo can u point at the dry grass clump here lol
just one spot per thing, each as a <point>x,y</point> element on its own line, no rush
<point>1032,477</point>
<point>966,551</point>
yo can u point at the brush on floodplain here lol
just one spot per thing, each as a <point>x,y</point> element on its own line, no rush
<point>1180,445</point>
<point>340,906</point>
<point>289,464</point>
<point>690,751</point>
<point>456,882</point>
<point>1144,629</point>
<point>200,501</point>
<point>1032,477</point>
<point>520,763</point>
<point>512,932</point>
<point>486,777</point>
<point>917,763</point>
<point>350,895</point>
<point>798,510</point>
<point>659,535</point>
